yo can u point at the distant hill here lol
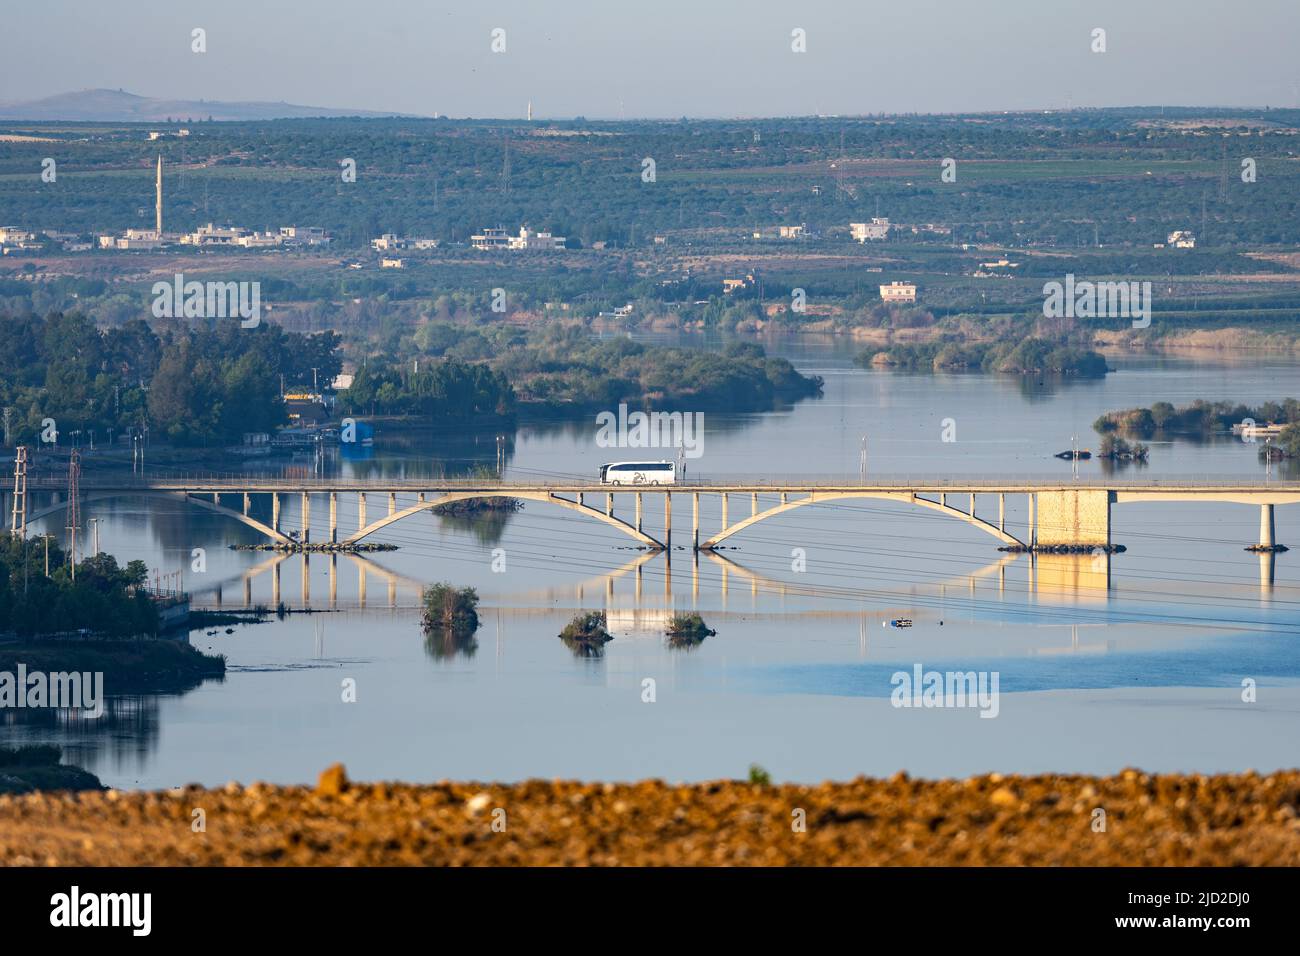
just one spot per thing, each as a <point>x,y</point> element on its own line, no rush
<point>118,106</point>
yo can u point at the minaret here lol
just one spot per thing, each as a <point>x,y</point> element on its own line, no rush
<point>158,201</point>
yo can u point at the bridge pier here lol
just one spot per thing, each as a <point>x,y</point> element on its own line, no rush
<point>361,510</point>
<point>668,520</point>
<point>1073,517</point>
<point>695,523</point>
<point>724,511</point>
<point>638,512</point>
<point>1266,530</point>
<point>334,517</point>
<point>275,511</point>
<point>306,517</point>
<point>609,504</point>
<point>247,503</point>
<point>1002,512</point>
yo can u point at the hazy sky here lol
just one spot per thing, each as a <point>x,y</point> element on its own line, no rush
<point>662,58</point>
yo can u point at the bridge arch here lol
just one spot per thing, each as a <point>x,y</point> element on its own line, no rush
<point>168,495</point>
<point>819,497</point>
<point>546,497</point>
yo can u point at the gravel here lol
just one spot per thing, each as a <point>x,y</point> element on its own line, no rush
<point>1145,820</point>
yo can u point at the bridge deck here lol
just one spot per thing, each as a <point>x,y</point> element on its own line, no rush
<point>741,485</point>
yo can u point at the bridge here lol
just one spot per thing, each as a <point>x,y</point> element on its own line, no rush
<point>1069,513</point>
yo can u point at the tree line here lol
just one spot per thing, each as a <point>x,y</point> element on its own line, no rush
<point>104,598</point>
<point>191,386</point>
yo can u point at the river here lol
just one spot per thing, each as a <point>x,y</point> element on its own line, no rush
<point>1178,655</point>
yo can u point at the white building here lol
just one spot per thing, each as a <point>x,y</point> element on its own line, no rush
<point>259,240</point>
<point>792,232</point>
<point>12,235</point>
<point>898,292</point>
<point>387,263</point>
<point>133,239</point>
<point>1182,239</point>
<point>390,241</point>
<point>527,239</point>
<point>490,239</point>
<point>213,235</point>
<point>304,236</point>
<point>733,285</point>
<point>876,229</point>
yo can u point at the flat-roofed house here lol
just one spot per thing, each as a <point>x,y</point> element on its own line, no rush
<point>898,292</point>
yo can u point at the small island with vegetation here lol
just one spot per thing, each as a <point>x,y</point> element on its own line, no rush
<point>1030,356</point>
<point>449,621</point>
<point>587,634</point>
<point>687,631</point>
<point>1199,418</point>
<point>1114,448</point>
<point>449,608</point>
<point>1273,426</point>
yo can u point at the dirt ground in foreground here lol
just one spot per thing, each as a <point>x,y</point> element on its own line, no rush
<point>1149,820</point>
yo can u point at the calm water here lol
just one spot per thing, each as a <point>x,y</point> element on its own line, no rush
<point>1134,660</point>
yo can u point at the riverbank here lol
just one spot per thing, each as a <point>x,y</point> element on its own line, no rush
<point>26,769</point>
<point>129,667</point>
<point>1049,820</point>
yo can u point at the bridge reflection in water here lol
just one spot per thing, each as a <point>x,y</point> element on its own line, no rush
<point>655,585</point>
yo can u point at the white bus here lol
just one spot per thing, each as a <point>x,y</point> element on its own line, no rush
<point>638,473</point>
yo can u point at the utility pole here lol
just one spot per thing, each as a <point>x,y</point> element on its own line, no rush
<point>74,518</point>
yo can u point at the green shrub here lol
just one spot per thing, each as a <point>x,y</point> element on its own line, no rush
<point>447,607</point>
